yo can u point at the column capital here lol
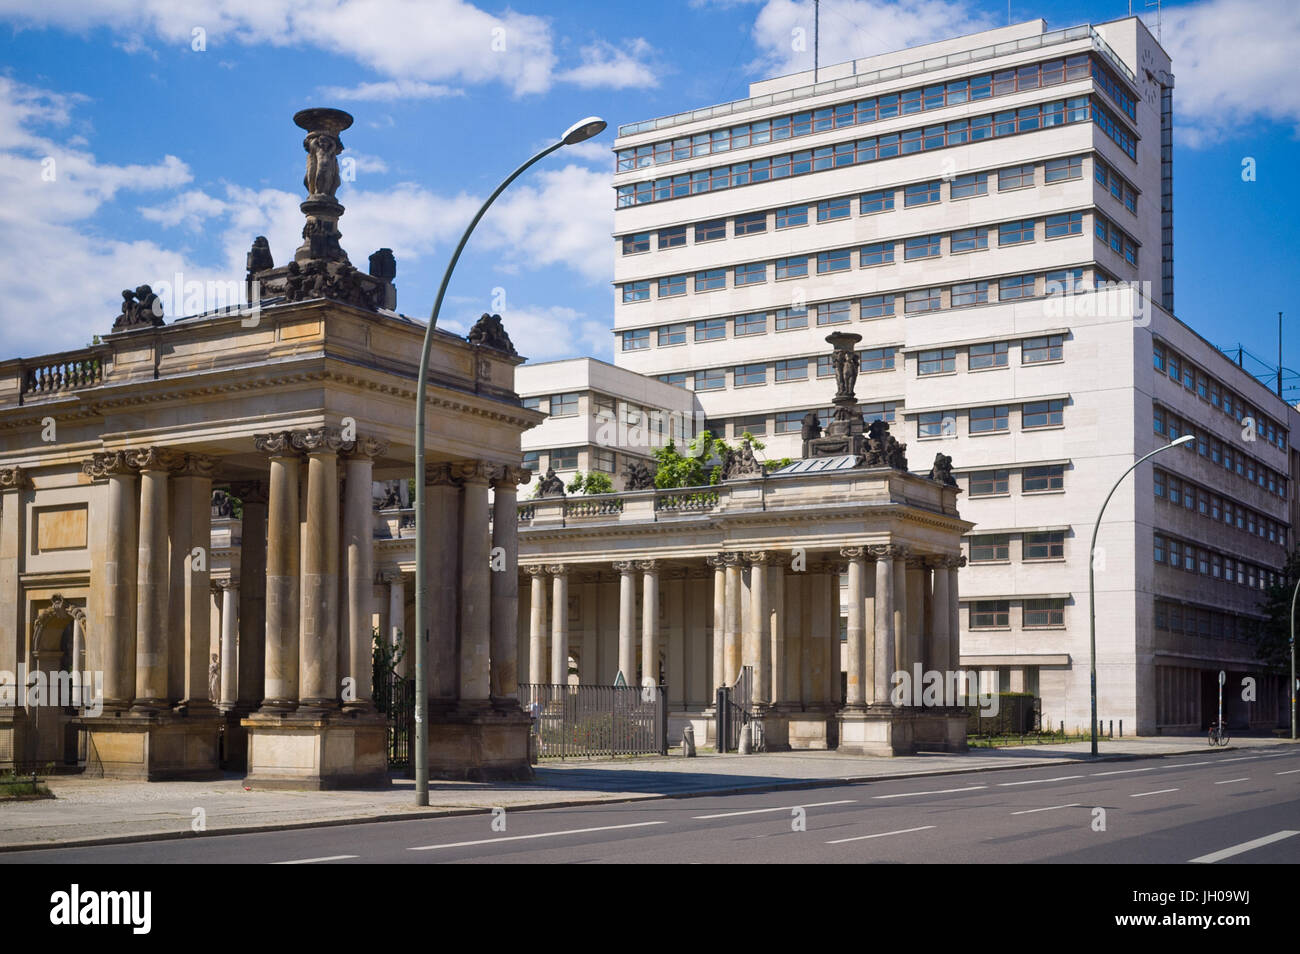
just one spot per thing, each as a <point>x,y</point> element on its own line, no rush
<point>390,574</point>
<point>649,566</point>
<point>954,562</point>
<point>507,475</point>
<point>249,491</point>
<point>275,444</point>
<point>854,553</point>
<point>440,475</point>
<point>195,465</point>
<point>916,562</point>
<point>835,567</point>
<point>625,566</point>
<point>889,551</point>
<point>534,569</point>
<point>365,448</point>
<point>759,557</point>
<point>733,558</point>
<point>220,586</point>
<point>153,458</point>
<point>15,478</point>
<point>472,471</point>
<point>557,569</point>
<point>325,439</point>
<point>717,560</point>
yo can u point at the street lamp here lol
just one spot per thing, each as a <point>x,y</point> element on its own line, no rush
<point>1092,590</point>
<point>579,132</point>
<point>1293,596</point>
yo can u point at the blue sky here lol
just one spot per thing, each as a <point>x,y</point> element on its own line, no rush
<point>167,159</point>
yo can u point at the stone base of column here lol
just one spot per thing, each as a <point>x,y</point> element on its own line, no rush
<point>811,728</point>
<point>480,744</point>
<point>317,752</point>
<point>940,730</point>
<point>876,730</point>
<point>775,722</point>
<point>152,747</point>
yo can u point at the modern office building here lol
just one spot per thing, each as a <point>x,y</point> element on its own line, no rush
<point>955,204</point>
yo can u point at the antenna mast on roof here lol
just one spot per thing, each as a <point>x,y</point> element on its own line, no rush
<point>1156,4</point>
<point>817,13</point>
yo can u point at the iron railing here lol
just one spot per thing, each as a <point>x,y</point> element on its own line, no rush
<point>596,721</point>
<point>395,698</point>
<point>733,708</point>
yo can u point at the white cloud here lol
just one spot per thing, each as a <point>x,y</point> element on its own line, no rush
<point>389,90</point>
<point>605,65</point>
<point>1233,64</point>
<point>548,333</point>
<point>189,210</point>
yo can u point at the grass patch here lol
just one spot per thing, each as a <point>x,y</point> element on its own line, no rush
<point>14,789</point>
<point>1029,738</point>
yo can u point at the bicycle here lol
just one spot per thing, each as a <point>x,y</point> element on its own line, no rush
<point>1218,734</point>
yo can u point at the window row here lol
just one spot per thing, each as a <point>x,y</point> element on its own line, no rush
<point>873,109</point>
<point>993,419</point>
<point>1171,617</point>
<point>1035,547</point>
<point>1180,370</point>
<point>1120,242</point>
<point>791,422</point>
<point>956,132</point>
<point>1191,558</point>
<point>1046,478</point>
<point>992,354</point>
<point>1119,187</point>
<point>1034,614</point>
<point>1189,496</point>
<point>1170,425</point>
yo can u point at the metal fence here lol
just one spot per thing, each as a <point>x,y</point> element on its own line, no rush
<point>395,698</point>
<point>596,721</point>
<point>733,710</point>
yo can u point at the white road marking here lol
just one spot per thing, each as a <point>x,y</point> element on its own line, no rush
<point>903,831</point>
<point>545,834</point>
<point>1126,771</point>
<point>312,861</point>
<point>1292,772</point>
<point>1190,764</point>
<point>1240,758</point>
<point>1036,781</point>
<point>1243,847</point>
<point>1030,811</point>
<point>786,808</point>
<point>942,791</point>
<point>1160,792</point>
<point>1229,781</point>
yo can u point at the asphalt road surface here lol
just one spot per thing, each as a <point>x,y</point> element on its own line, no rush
<point>1238,806</point>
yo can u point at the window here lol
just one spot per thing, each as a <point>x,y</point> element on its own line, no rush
<point>882,253</point>
<point>1159,550</point>
<point>939,361</point>
<point>1041,414</point>
<point>991,355</point>
<point>877,306</point>
<point>796,267</point>
<point>832,312</point>
<point>564,458</point>
<point>990,548</point>
<point>990,614</point>
<point>636,291</point>
<point>531,460</point>
<point>632,415</point>
<point>1037,480</point>
<point>711,230</point>
<point>789,422</point>
<point>564,405</point>
<point>750,374</point>
<point>533,403</point>
<point>711,280</point>
<point>751,224</point>
<point>672,335</point>
<point>1042,613</point>
<point>825,367</point>
<point>676,378</point>
<point>920,193</point>
<point>672,286</point>
<point>924,299</point>
<point>1016,233</point>
<point>934,424</point>
<point>870,202</point>
<point>640,242</point>
<point>787,319</point>
<point>875,412</point>
<point>636,340</point>
<point>711,329</point>
<point>1063,281</point>
<point>921,246</point>
<point>972,293</point>
<point>967,186</point>
<point>1015,177</point>
<point>602,459</point>
<point>1158,357</point>
<point>755,273</point>
<point>1038,350</point>
<point>604,406</point>
<point>1067,223</point>
<point>755,424</point>
<point>792,369</point>
<point>988,420</point>
<point>752,324</point>
<point>1049,545</point>
<point>834,261</point>
<point>711,379</point>
<point>877,359</point>
<point>791,216</point>
<point>829,210</point>
<point>1059,170</point>
<point>1017,286</point>
<point>672,238</point>
<point>969,240</point>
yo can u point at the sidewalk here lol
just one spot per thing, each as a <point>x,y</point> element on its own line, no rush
<point>87,811</point>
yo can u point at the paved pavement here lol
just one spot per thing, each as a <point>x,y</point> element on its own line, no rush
<point>1207,808</point>
<point>90,810</point>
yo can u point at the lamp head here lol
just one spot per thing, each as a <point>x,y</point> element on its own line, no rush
<point>1184,439</point>
<point>583,130</point>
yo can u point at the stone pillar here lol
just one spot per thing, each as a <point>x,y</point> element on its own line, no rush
<point>319,646</point>
<point>505,582</point>
<point>856,664</point>
<point>817,611</point>
<point>282,583</point>
<point>537,618</point>
<point>938,655</point>
<point>776,631</point>
<point>229,590</point>
<point>358,558</point>
<point>442,559</point>
<point>151,581</point>
<point>649,622</point>
<point>717,637</point>
<point>559,623</point>
<point>78,650</point>
<point>252,595</point>
<point>954,614</point>
<point>395,633</point>
<point>758,634</point>
<point>901,648</point>
<point>886,619</point>
<point>626,620</point>
<point>676,592</point>
<point>589,660</point>
<point>731,622</point>
<point>915,613</point>
<point>191,528</point>
<point>475,585</point>
<point>116,633</point>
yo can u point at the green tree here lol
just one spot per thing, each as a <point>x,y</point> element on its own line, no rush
<point>702,464</point>
<point>1272,635</point>
<point>595,482</point>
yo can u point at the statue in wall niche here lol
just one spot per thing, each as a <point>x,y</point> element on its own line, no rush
<point>637,475</point>
<point>214,679</point>
<point>550,485</point>
<point>322,176</point>
<point>223,505</point>
<point>489,332</point>
<point>942,470</point>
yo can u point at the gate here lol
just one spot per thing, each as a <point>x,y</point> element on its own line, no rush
<point>733,710</point>
<point>395,698</point>
<point>596,721</point>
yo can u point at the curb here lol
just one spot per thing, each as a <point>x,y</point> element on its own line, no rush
<point>424,815</point>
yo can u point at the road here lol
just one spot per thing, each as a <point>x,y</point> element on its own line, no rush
<point>1237,806</point>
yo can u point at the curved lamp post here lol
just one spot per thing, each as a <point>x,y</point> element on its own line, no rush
<point>579,132</point>
<point>1293,598</point>
<point>1092,590</point>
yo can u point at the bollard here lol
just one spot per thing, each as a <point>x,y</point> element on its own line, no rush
<point>688,741</point>
<point>1111,734</point>
<point>1121,728</point>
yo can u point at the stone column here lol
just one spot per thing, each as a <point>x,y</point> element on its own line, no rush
<point>937,651</point>
<point>78,649</point>
<point>731,620</point>
<point>758,634</point>
<point>116,632</point>
<point>319,646</point>
<point>856,664</point>
<point>151,581</point>
<point>626,620</point>
<point>776,630</point>
<point>886,619</point>
<point>505,581</point>
<point>717,637</point>
<point>537,618</point>
<point>817,636</point>
<point>901,648</point>
<point>358,560</point>
<point>649,622</point>
<point>589,661</point>
<point>559,623</point>
<point>191,528</point>
<point>280,675</point>
<point>475,585</point>
<point>229,590</point>
<point>915,613</point>
<point>954,614</point>
<point>252,595</point>
<point>442,558</point>
<point>396,634</point>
